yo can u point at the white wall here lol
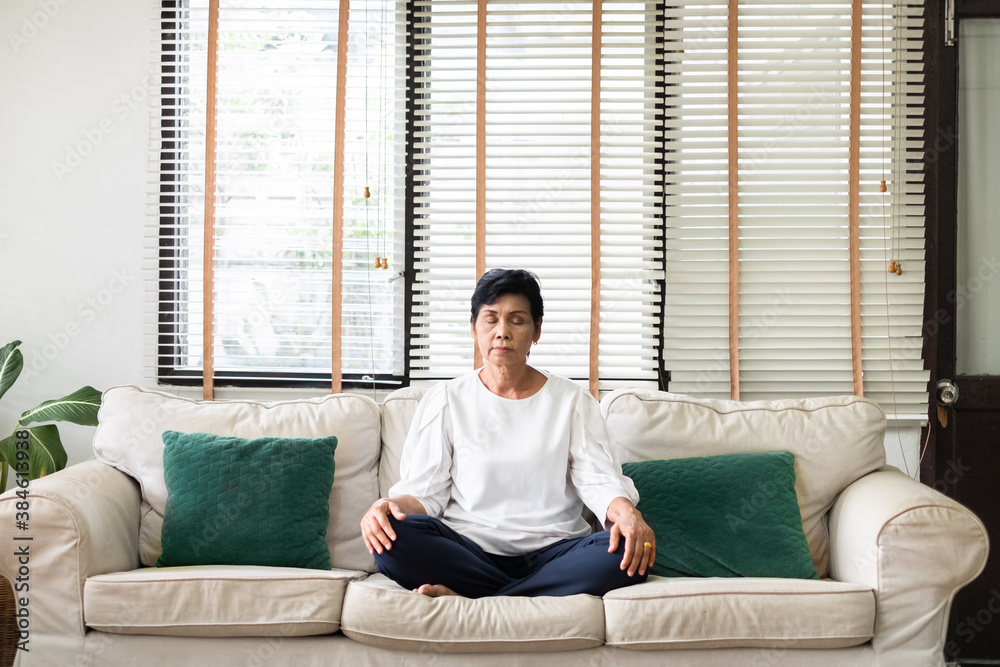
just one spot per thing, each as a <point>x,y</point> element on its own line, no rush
<point>73,172</point>
<point>72,93</point>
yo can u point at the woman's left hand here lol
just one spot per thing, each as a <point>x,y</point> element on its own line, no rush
<point>640,542</point>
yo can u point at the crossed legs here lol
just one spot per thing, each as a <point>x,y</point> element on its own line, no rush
<point>427,553</point>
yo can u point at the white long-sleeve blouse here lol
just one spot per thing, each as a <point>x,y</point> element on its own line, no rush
<point>511,475</point>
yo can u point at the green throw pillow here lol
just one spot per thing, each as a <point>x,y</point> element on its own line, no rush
<point>246,502</point>
<point>734,515</point>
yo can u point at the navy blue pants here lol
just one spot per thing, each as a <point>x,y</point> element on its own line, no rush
<point>426,551</point>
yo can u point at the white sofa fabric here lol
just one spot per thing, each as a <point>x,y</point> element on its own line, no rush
<point>892,553</point>
<point>459,625</point>
<point>217,601</point>
<point>835,440</point>
<point>724,612</point>
<point>129,438</point>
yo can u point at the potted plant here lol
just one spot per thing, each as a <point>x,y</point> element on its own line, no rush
<point>45,451</point>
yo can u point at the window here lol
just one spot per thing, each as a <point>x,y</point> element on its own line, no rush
<point>793,123</point>
<point>544,122</point>
<point>272,261</point>
<point>705,225</point>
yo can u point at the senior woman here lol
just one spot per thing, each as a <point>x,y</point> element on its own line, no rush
<point>495,472</point>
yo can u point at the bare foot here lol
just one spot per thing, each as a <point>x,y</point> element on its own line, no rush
<point>435,590</point>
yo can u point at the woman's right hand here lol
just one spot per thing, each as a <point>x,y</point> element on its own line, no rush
<point>375,527</point>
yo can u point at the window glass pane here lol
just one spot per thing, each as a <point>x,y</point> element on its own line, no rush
<point>275,125</point>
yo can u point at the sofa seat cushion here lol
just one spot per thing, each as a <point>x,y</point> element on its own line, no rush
<point>217,601</point>
<point>380,613</point>
<point>739,612</point>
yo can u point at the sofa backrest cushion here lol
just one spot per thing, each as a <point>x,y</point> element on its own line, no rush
<point>129,437</point>
<point>835,440</point>
<point>398,409</point>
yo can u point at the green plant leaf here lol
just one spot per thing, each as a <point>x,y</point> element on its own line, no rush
<point>45,450</point>
<point>11,363</point>
<point>3,471</point>
<point>8,451</point>
<point>80,407</point>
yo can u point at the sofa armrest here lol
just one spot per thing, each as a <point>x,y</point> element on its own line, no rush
<point>82,521</point>
<point>916,548</point>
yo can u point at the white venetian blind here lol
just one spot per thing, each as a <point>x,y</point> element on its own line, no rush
<point>793,82</point>
<point>444,192</point>
<point>375,154</point>
<point>275,119</point>
<point>631,193</point>
<point>538,91</point>
<point>537,156</point>
<point>892,306</point>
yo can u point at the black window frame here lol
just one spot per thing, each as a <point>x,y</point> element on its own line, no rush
<point>169,285</point>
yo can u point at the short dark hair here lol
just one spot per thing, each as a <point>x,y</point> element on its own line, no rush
<point>497,282</point>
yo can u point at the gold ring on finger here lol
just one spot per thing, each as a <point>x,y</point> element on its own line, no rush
<point>647,545</point>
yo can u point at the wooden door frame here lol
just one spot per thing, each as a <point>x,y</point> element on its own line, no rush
<point>941,218</point>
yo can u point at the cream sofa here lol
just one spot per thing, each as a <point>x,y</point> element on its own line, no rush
<point>891,553</point>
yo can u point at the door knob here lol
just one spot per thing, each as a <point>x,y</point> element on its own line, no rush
<point>947,392</point>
